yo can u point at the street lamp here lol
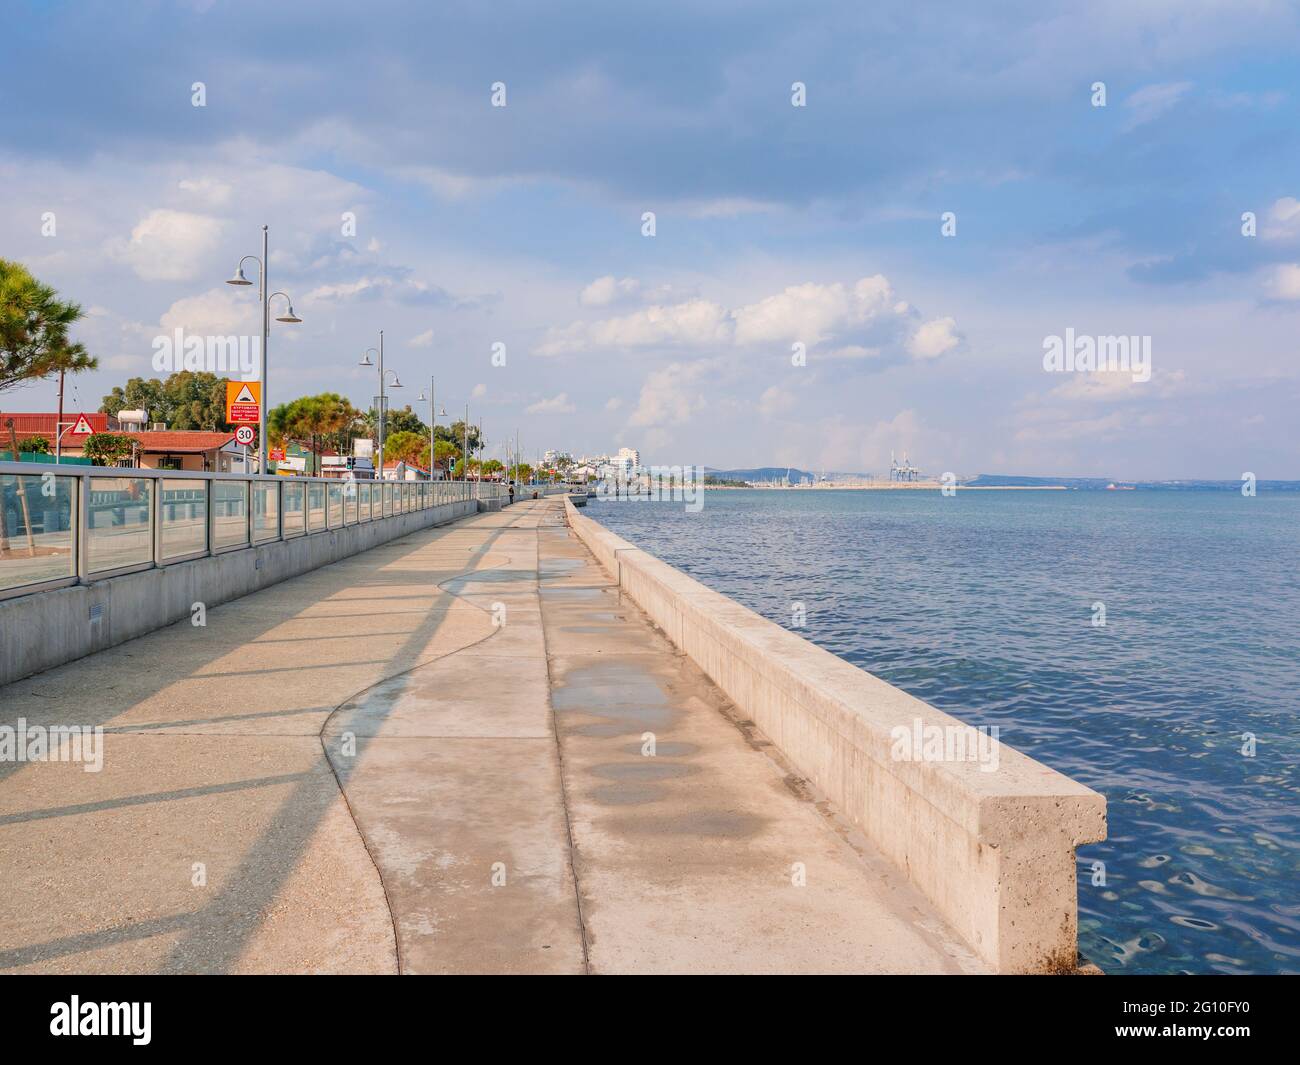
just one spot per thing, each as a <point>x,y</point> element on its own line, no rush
<point>433,422</point>
<point>265,300</point>
<point>383,379</point>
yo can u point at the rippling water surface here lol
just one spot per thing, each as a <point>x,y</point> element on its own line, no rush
<point>982,604</point>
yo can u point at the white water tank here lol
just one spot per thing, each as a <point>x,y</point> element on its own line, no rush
<point>132,417</point>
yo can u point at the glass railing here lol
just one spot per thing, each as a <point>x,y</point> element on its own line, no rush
<point>60,527</point>
<point>38,521</point>
<point>183,525</point>
<point>229,514</point>
<point>119,523</point>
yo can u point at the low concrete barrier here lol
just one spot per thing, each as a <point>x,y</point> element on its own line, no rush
<point>990,842</point>
<point>47,629</point>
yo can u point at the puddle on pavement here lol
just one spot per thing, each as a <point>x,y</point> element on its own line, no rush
<point>560,565</point>
<point>647,770</point>
<point>717,824</point>
<point>625,696</point>
<point>665,749</point>
<point>580,594</point>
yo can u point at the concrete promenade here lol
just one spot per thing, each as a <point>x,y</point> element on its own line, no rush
<point>432,757</point>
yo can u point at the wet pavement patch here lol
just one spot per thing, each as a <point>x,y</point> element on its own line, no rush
<point>644,771</point>
<point>617,692</point>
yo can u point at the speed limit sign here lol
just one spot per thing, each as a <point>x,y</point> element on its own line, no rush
<point>244,435</point>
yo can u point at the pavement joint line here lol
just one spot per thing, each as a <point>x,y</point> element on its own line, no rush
<point>559,754</point>
<point>338,780</point>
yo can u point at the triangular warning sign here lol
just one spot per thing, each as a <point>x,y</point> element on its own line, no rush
<point>82,426</point>
<point>245,396</point>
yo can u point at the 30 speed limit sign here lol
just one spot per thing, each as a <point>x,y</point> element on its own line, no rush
<point>244,435</point>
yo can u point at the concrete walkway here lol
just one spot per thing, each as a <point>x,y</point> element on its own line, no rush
<point>460,752</point>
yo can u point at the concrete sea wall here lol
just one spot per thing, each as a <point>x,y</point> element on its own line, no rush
<point>46,629</point>
<point>992,850</point>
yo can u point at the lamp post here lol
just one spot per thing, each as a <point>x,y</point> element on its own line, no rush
<point>379,415</point>
<point>433,422</point>
<point>288,316</point>
<point>464,451</point>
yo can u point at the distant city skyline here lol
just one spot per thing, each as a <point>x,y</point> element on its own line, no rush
<point>913,202</point>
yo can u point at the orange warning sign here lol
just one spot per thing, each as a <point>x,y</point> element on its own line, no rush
<point>82,426</point>
<point>243,402</point>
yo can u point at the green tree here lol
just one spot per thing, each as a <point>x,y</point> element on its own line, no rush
<point>316,420</point>
<point>34,330</point>
<point>36,444</point>
<point>185,400</point>
<point>444,452</point>
<point>456,434</point>
<point>405,446</point>
<point>491,467</point>
<point>107,449</point>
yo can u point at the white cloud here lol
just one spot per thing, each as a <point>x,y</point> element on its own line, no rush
<point>1118,386</point>
<point>858,319</point>
<point>693,324</point>
<point>555,405</point>
<point>478,392</point>
<point>1283,222</point>
<point>1151,101</point>
<point>774,400</point>
<point>608,290</point>
<point>1285,282</point>
<point>613,403</point>
<point>669,396</point>
<point>812,313</point>
<point>219,311</point>
<point>211,192</point>
<point>423,340</point>
<point>934,338</point>
<point>168,245</point>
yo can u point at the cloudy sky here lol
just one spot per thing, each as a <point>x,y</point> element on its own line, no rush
<point>774,225</point>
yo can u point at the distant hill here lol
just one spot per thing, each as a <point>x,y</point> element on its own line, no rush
<point>760,473</point>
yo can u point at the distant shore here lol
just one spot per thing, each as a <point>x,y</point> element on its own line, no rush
<point>930,486</point>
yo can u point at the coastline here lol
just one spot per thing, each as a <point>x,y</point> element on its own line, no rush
<point>914,486</point>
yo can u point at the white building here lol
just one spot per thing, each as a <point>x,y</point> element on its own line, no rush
<point>627,462</point>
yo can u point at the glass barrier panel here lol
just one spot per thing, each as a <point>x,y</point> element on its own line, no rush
<point>183,521</point>
<point>266,510</point>
<point>294,502</point>
<point>229,513</point>
<point>351,490</point>
<point>118,529</point>
<point>335,504</point>
<point>363,496</point>
<point>37,541</point>
<point>315,506</point>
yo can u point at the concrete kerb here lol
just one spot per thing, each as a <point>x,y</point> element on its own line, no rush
<point>993,851</point>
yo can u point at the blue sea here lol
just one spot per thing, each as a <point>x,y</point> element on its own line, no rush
<point>984,605</point>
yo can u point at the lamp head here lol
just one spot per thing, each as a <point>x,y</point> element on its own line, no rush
<point>239,278</point>
<point>289,316</point>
